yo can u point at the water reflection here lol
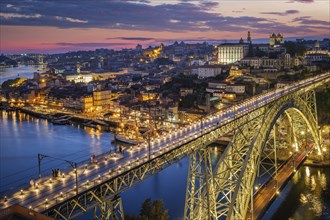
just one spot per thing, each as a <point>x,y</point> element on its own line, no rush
<point>307,198</point>
<point>23,137</point>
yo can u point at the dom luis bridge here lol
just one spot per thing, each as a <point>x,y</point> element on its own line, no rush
<point>271,135</point>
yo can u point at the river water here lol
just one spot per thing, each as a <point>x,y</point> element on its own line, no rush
<point>23,137</point>
<point>22,71</point>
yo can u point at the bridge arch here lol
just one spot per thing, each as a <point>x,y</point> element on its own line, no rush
<point>296,107</point>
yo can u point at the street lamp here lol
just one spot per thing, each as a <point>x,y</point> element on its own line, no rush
<point>72,164</point>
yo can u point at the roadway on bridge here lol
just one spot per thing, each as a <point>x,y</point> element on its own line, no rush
<point>50,192</point>
<point>268,192</point>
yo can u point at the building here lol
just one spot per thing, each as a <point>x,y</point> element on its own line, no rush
<point>231,53</point>
<point>237,89</point>
<point>217,85</point>
<point>87,103</point>
<point>275,39</point>
<point>206,71</point>
<point>317,57</point>
<point>146,96</point>
<point>217,88</point>
<point>318,50</point>
<point>102,99</point>
<point>251,61</point>
<point>80,78</point>
<point>234,71</point>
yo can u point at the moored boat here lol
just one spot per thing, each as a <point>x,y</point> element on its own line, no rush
<point>125,140</point>
<point>60,122</point>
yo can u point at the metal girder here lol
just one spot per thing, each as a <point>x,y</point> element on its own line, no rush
<point>237,168</point>
<point>226,176</point>
<point>199,205</point>
<point>108,187</point>
<point>109,209</point>
<point>230,183</point>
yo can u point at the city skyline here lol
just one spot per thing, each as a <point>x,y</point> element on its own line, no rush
<point>51,27</point>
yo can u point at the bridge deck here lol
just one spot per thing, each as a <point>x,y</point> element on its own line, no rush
<point>268,193</point>
<point>49,193</point>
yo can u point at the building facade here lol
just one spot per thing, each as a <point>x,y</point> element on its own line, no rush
<point>231,53</point>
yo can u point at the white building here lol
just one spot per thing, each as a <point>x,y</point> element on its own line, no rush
<point>231,53</point>
<point>206,71</point>
<point>80,78</point>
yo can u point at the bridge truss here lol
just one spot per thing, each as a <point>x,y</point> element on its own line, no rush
<point>223,192</point>
<point>226,192</point>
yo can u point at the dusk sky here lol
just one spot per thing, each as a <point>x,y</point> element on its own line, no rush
<point>50,26</point>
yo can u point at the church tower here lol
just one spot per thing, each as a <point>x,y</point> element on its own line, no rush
<point>249,40</point>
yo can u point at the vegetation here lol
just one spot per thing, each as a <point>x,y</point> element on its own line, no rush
<point>151,211</point>
<point>188,101</point>
<point>294,48</point>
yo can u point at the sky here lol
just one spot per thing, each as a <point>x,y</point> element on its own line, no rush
<point>52,26</point>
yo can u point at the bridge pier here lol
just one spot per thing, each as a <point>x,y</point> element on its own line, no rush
<point>199,202</point>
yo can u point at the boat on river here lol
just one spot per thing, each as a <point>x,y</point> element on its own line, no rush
<point>125,140</point>
<point>60,122</point>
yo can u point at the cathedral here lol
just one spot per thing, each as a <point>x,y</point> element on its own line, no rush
<point>275,39</point>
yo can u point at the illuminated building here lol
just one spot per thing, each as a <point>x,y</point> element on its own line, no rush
<point>148,96</point>
<point>80,78</point>
<point>102,99</point>
<point>153,53</point>
<point>275,39</point>
<point>87,103</point>
<point>231,53</point>
<point>234,71</point>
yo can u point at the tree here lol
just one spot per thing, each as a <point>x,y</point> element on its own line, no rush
<point>188,101</point>
<point>145,211</point>
<point>293,48</point>
<point>158,211</point>
<point>153,210</point>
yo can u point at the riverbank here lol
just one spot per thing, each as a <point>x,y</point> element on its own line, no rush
<point>325,163</point>
<point>76,120</point>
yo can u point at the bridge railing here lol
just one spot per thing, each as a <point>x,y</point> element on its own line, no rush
<point>199,124</point>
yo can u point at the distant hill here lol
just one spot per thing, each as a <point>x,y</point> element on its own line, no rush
<point>6,61</point>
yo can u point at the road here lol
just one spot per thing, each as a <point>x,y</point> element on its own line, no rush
<point>50,191</point>
<point>267,193</point>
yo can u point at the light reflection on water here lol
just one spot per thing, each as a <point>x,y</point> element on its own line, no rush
<point>306,196</point>
<point>23,137</point>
